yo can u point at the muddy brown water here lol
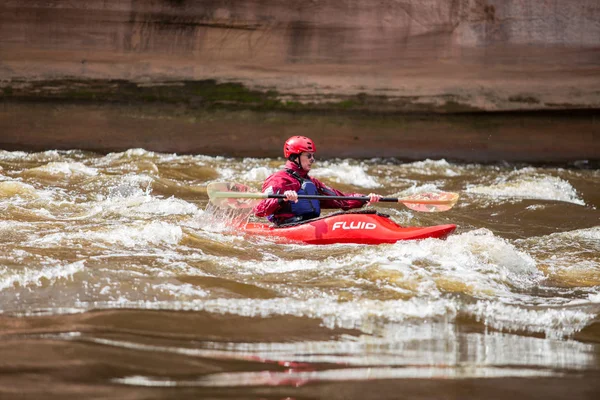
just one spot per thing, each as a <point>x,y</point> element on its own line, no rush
<point>119,280</point>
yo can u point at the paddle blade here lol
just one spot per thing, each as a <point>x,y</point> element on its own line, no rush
<point>232,195</point>
<point>430,202</point>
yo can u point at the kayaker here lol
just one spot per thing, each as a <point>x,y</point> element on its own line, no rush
<point>294,180</point>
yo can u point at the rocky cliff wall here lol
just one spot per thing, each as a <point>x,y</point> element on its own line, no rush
<point>492,55</point>
<point>390,56</point>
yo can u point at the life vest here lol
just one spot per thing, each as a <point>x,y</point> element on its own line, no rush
<point>305,209</point>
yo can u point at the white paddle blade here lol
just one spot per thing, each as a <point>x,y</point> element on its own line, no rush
<point>232,195</point>
<point>430,202</point>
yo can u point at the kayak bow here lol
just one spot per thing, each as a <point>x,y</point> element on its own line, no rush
<point>360,227</point>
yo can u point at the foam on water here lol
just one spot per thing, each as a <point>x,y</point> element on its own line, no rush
<point>434,167</point>
<point>12,155</point>
<point>149,159</point>
<point>344,172</point>
<point>554,323</point>
<point>136,180</point>
<point>129,199</point>
<point>186,289</point>
<point>528,184</point>
<point>419,188</point>
<point>572,257</point>
<point>11,188</point>
<point>282,266</point>
<point>131,153</point>
<point>135,235</point>
<point>485,263</point>
<point>65,169</point>
<point>482,265</point>
<point>359,314</point>
<point>170,206</point>
<point>141,205</point>
<point>491,269</point>
<point>43,156</point>
<point>591,234</point>
<point>578,239</point>
<point>227,173</point>
<point>129,232</point>
<point>34,275</point>
<point>10,226</point>
<point>258,174</point>
<point>15,191</point>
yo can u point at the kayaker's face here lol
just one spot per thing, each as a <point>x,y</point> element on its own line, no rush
<point>307,160</point>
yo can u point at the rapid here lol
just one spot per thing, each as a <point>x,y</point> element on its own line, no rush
<point>118,279</point>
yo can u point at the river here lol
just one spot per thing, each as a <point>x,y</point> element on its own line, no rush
<point>118,279</point>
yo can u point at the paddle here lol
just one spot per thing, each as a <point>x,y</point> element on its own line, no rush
<point>235,195</point>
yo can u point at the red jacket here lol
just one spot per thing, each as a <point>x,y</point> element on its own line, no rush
<point>281,181</point>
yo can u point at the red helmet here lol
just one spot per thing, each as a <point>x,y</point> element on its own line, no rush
<point>297,145</point>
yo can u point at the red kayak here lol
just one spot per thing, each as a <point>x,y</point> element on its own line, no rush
<point>363,227</point>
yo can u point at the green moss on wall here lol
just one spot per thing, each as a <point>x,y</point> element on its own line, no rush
<point>210,94</point>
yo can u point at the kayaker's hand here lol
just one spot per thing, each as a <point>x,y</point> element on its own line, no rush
<point>373,198</point>
<point>291,195</point>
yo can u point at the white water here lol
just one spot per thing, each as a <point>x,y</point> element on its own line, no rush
<point>118,232</point>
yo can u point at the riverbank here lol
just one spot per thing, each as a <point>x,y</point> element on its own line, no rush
<point>206,117</point>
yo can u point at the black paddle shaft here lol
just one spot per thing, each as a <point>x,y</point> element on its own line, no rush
<point>319,197</point>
